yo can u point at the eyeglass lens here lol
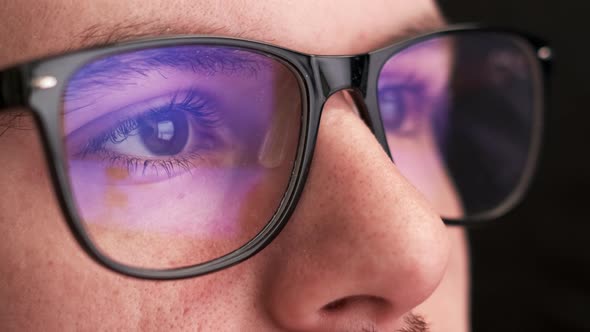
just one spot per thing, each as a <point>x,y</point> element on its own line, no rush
<point>459,114</point>
<point>179,155</point>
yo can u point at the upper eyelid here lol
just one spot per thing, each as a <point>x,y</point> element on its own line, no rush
<point>117,69</point>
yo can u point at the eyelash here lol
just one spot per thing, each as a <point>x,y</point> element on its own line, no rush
<point>192,103</point>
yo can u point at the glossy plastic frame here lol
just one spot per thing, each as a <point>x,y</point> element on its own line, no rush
<point>39,86</point>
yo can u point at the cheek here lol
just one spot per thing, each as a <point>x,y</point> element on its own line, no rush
<point>48,283</point>
<point>454,287</point>
<point>44,276</point>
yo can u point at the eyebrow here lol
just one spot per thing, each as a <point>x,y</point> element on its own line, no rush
<point>101,73</point>
<point>137,29</point>
<point>97,35</point>
<point>425,23</point>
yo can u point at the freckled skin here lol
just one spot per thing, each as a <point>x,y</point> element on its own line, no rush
<point>115,198</point>
<point>351,236</point>
<point>116,174</point>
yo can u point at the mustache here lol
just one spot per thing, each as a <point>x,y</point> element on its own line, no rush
<point>412,322</point>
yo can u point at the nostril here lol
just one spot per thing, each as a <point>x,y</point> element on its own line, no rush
<point>336,305</point>
<point>360,301</point>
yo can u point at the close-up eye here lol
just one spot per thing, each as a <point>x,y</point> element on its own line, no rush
<point>401,107</point>
<point>412,87</point>
<point>155,139</point>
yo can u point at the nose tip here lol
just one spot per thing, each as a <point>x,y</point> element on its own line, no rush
<point>363,246</point>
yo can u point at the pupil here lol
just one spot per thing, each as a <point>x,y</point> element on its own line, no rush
<point>164,134</point>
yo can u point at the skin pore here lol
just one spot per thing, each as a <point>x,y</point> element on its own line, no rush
<point>357,255</point>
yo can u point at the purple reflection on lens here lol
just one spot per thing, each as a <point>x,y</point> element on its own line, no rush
<point>121,205</point>
<point>179,155</point>
<point>413,97</point>
<point>458,113</point>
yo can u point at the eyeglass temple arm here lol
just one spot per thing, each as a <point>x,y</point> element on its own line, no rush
<point>13,88</point>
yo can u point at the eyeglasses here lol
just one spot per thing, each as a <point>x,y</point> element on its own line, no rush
<point>177,157</point>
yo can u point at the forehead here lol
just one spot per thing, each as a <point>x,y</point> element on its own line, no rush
<point>33,28</point>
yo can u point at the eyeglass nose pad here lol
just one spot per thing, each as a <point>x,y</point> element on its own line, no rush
<point>351,102</point>
<point>356,102</point>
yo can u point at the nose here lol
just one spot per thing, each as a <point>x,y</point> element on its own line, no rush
<point>363,247</point>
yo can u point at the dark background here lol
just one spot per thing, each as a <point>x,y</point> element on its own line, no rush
<point>531,269</point>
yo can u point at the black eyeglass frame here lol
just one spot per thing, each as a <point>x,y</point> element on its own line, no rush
<point>39,86</point>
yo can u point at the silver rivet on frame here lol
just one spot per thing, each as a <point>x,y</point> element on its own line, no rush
<point>44,82</point>
<point>545,53</point>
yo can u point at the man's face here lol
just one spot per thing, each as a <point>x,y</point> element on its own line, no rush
<point>364,250</point>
